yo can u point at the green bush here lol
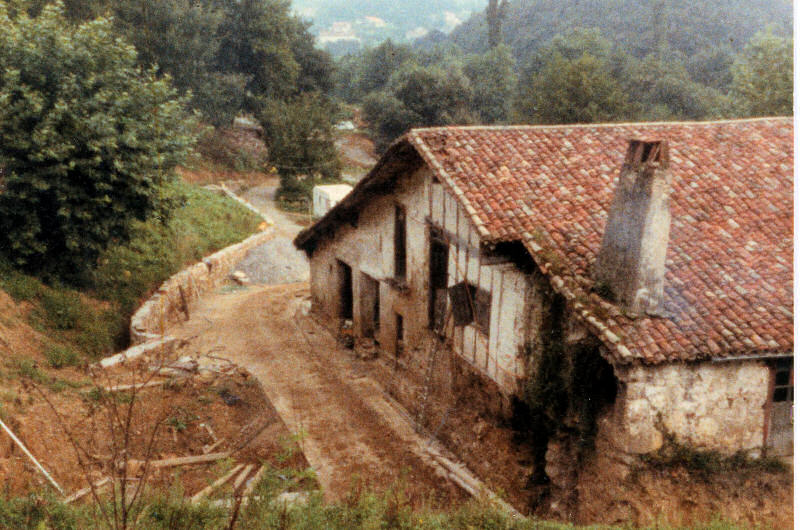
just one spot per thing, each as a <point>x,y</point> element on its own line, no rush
<point>203,222</point>
<point>42,511</point>
<point>61,309</point>
<point>20,287</point>
<point>28,369</point>
<point>61,356</point>
<point>87,140</point>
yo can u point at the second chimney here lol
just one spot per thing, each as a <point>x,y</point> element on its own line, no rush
<point>630,266</point>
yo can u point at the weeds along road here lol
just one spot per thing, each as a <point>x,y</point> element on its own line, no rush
<point>349,430</point>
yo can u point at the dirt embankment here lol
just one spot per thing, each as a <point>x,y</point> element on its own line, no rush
<point>183,417</point>
<point>678,496</point>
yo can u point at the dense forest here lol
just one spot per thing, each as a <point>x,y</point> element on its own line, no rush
<point>581,61</point>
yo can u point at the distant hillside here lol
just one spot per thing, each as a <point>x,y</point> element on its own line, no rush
<point>351,24</point>
<point>689,26</point>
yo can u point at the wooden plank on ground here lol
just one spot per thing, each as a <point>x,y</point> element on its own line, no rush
<point>138,386</point>
<point>242,476</point>
<point>85,491</point>
<point>253,482</point>
<point>216,484</point>
<point>185,460</point>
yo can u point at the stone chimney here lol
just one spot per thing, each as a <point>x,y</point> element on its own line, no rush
<point>630,266</point>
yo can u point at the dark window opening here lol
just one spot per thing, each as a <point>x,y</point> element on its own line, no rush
<point>471,304</point>
<point>399,242</point>
<point>437,295</point>
<point>345,291</point>
<point>784,381</point>
<point>779,439</point>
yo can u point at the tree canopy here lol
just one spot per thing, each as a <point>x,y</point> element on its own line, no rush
<point>87,140</point>
<point>762,76</point>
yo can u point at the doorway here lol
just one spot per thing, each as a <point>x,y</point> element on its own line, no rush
<point>437,281</point>
<point>370,306</point>
<point>345,291</point>
<point>780,440</point>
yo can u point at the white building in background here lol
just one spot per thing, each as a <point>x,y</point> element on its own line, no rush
<point>327,196</point>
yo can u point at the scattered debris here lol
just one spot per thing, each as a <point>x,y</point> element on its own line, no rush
<point>216,484</point>
<point>165,344</point>
<point>137,386</point>
<point>33,459</point>
<point>240,278</point>
<point>242,477</point>
<point>229,398</point>
<point>208,448</point>
<point>183,460</point>
<point>182,367</point>
<point>85,491</point>
<point>366,349</point>
<point>345,336</point>
<point>253,482</point>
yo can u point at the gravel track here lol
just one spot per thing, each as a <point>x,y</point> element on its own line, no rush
<point>276,261</point>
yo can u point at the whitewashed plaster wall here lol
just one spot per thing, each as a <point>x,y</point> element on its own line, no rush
<point>369,248</point>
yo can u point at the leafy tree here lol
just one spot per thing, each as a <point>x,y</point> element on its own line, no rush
<point>380,63</point>
<point>493,82</point>
<point>87,140</point>
<point>388,117</point>
<point>437,95</point>
<point>299,136</point>
<point>496,11</point>
<point>665,91</point>
<point>581,90</point>
<point>181,38</point>
<point>76,10</point>
<point>316,66</point>
<point>762,76</point>
<point>418,96</point>
<point>345,76</point>
<point>712,67</point>
<point>256,41</point>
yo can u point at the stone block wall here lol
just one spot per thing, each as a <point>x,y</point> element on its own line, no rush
<point>710,406</point>
<point>168,303</point>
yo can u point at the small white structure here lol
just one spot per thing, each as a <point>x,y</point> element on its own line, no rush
<point>326,197</point>
<point>345,126</point>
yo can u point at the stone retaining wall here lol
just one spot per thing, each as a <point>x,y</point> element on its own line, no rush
<point>173,298</point>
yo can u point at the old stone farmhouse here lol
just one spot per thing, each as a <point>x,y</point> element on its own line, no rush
<point>657,258</point>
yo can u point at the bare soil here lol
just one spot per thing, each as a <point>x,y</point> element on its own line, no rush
<point>250,428</point>
<point>350,432</point>
<point>680,496</point>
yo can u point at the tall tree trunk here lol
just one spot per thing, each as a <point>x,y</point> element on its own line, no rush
<point>495,13</point>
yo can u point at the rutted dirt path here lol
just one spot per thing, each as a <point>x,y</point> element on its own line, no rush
<point>350,431</point>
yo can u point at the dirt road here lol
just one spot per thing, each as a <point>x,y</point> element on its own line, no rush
<point>349,429</point>
<point>276,261</point>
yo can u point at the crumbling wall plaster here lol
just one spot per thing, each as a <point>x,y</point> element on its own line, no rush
<point>368,247</point>
<point>711,406</point>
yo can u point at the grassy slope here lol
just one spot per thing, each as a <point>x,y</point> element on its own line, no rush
<point>88,324</point>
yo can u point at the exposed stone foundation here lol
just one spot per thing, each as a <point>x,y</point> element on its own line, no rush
<point>710,406</point>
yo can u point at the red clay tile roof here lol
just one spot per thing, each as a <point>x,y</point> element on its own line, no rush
<point>728,288</point>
